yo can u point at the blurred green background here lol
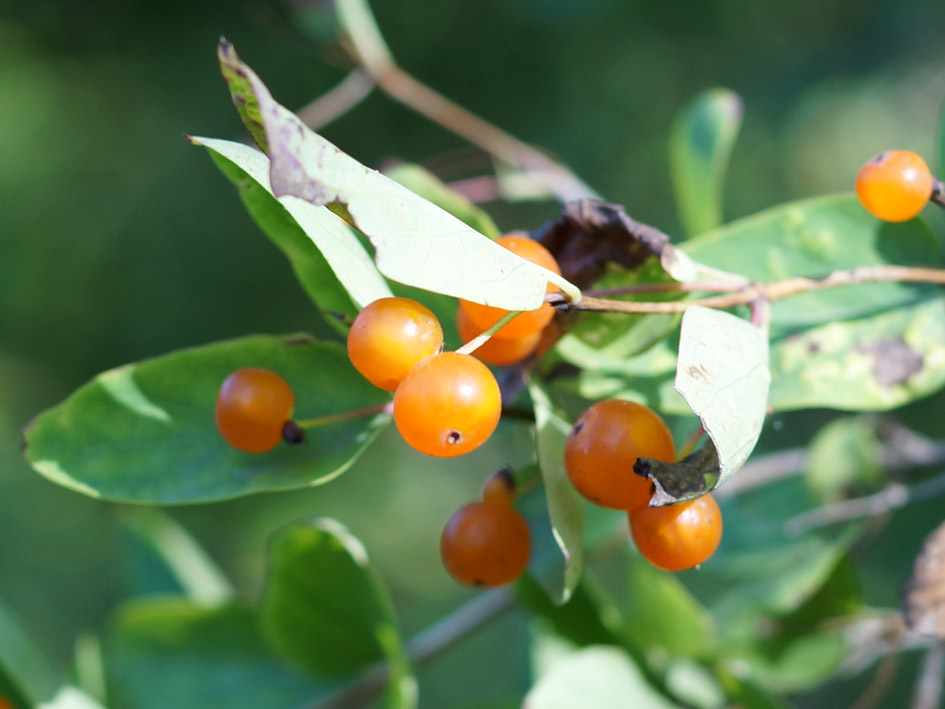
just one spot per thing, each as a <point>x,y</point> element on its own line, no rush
<point>120,241</point>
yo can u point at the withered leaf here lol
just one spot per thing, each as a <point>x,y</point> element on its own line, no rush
<point>923,594</point>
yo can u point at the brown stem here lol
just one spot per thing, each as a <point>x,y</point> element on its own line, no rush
<point>558,179</point>
<point>694,287</point>
<point>938,193</point>
<point>353,89</point>
<point>767,291</point>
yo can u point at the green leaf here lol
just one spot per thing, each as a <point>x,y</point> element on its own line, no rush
<point>844,459</point>
<point>565,505</point>
<point>416,243</point>
<point>812,238</point>
<point>580,620</point>
<point>145,432</point>
<point>328,259</point>
<point>596,677</point>
<point>25,663</point>
<point>163,653</point>
<point>660,613</point>
<point>722,372</point>
<point>190,565</point>
<point>694,685</point>
<point>325,606</point>
<point>868,364</point>
<point>244,100</point>
<point>700,145</point>
<point>424,183</point>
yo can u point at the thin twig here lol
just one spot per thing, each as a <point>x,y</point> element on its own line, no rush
<point>777,290</point>
<point>424,646</point>
<point>880,684</point>
<point>763,470</point>
<point>694,287</point>
<point>353,89</point>
<point>345,416</point>
<point>890,498</point>
<point>928,687</point>
<point>483,337</point>
<point>938,193</point>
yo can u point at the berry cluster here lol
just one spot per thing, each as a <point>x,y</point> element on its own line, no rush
<point>895,185</point>
<point>487,543</point>
<point>604,444</point>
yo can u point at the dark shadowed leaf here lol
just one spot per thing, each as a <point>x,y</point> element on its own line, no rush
<point>325,608</point>
<point>145,432</point>
<point>700,145</point>
<point>164,653</point>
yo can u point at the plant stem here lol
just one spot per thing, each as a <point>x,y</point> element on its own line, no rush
<point>424,646</point>
<point>938,193</point>
<point>699,286</point>
<point>353,89</point>
<point>368,48</point>
<point>483,337</point>
<point>345,416</point>
<point>690,445</point>
<point>777,290</point>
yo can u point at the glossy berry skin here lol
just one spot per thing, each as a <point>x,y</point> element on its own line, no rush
<point>447,405</point>
<point>895,185</point>
<point>500,351</point>
<point>605,442</point>
<point>252,407</point>
<point>677,537</point>
<point>389,337</point>
<point>485,544</point>
<point>530,321</point>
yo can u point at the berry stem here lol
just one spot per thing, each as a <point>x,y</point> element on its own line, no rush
<point>938,193</point>
<point>481,339</point>
<point>344,416</point>
<point>701,286</point>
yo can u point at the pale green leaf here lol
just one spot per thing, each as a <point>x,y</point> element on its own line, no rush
<point>722,372</point>
<point>416,243</point>
<point>596,677</point>
<point>565,505</point>
<point>340,249</point>
<point>700,145</point>
<point>424,183</point>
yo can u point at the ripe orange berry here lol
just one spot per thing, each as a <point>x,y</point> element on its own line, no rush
<point>447,405</point>
<point>252,407</point>
<point>5,703</point>
<point>499,489</point>
<point>500,351</point>
<point>531,321</point>
<point>485,545</point>
<point>389,337</point>
<point>605,442</point>
<point>895,185</point>
<point>677,537</point>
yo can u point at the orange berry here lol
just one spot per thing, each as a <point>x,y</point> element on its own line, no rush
<point>447,405</point>
<point>530,321</point>
<point>485,544</point>
<point>389,337</point>
<point>499,488</point>
<point>252,407</point>
<point>605,442</point>
<point>895,185</point>
<point>500,351</point>
<point>677,537</point>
